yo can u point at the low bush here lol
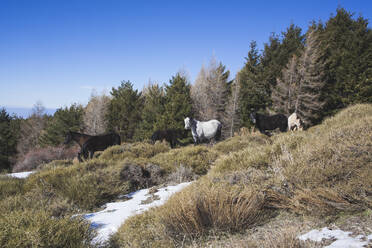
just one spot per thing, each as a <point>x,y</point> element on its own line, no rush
<point>135,150</point>
<point>205,206</point>
<point>38,229</point>
<point>143,230</point>
<point>239,142</point>
<point>88,185</point>
<point>10,186</point>
<point>198,158</point>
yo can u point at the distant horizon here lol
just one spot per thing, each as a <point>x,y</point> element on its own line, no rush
<point>58,52</point>
<point>25,112</point>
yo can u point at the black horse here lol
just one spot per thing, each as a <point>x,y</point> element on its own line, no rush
<point>89,144</point>
<point>99,143</point>
<point>170,135</point>
<point>269,122</point>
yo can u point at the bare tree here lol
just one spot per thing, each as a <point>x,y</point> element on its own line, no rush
<point>285,94</point>
<point>232,119</point>
<point>199,95</point>
<point>299,89</point>
<point>94,114</point>
<point>31,129</point>
<point>309,102</point>
<point>210,91</point>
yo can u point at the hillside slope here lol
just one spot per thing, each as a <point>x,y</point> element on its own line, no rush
<point>249,189</point>
<point>287,184</point>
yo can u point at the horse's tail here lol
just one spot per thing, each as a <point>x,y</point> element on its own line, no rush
<point>218,133</point>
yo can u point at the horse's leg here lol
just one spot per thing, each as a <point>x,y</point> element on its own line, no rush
<point>79,157</point>
<point>91,153</point>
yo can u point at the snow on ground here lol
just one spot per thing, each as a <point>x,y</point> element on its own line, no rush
<point>20,174</point>
<point>107,221</point>
<point>342,239</point>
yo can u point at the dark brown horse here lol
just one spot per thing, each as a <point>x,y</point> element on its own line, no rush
<point>89,144</point>
<point>79,138</point>
<point>99,143</point>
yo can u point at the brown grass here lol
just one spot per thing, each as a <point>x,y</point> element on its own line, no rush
<point>322,172</point>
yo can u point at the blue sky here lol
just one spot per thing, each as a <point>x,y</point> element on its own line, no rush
<point>57,51</point>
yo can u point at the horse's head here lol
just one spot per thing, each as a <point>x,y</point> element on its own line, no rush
<point>187,123</point>
<point>252,116</point>
<point>68,138</point>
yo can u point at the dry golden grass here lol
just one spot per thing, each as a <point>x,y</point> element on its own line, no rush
<point>198,158</point>
<point>134,150</point>
<point>322,172</point>
<point>143,230</point>
<point>206,206</point>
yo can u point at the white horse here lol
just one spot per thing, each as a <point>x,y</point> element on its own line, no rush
<point>203,130</point>
<point>294,122</point>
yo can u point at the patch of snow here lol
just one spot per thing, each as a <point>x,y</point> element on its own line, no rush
<point>107,221</point>
<point>24,174</point>
<point>342,239</point>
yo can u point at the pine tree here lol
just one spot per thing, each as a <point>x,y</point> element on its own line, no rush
<point>153,109</point>
<point>347,46</point>
<point>64,120</point>
<point>278,52</point>
<point>8,141</point>
<point>178,103</point>
<point>254,92</point>
<point>124,111</point>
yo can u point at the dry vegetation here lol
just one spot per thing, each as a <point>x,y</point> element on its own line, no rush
<point>249,187</point>
<point>322,173</point>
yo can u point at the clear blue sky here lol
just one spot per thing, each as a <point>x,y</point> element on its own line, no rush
<point>57,51</point>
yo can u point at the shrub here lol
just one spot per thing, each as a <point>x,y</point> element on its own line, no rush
<point>204,206</point>
<point>135,150</point>
<point>42,156</point>
<point>10,186</point>
<point>87,185</point>
<point>239,142</point>
<point>39,229</point>
<point>141,176</point>
<point>198,158</point>
<point>182,174</point>
<point>143,230</point>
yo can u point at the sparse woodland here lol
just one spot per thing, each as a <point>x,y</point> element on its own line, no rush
<point>246,182</point>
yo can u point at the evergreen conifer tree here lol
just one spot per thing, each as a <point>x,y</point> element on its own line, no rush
<point>254,92</point>
<point>64,120</point>
<point>178,103</point>
<point>153,109</point>
<point>8,141</point>
<point>347,46</point>
<point>124,111</point>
